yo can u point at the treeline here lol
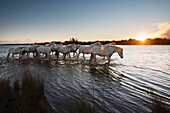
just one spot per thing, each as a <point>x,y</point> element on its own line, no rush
<point>156,41</point>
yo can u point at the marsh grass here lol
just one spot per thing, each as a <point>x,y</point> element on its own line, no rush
<point>82,106</point>
<point>6,97</point>
<point>16,84</point>
<point>157,105</point>
<point>27,98</point>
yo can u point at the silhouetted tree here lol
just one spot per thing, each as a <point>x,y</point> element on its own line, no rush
<point>73,39</point>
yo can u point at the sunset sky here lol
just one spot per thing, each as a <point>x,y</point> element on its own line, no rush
<point>87,20</point>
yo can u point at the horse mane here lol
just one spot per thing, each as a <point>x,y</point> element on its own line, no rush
<point>69,45</point>
<point>119,48</point>
<point>106,46</point>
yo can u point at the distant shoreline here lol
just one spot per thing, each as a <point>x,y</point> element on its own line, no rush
<point>156,41</point>
<point>64,44</point>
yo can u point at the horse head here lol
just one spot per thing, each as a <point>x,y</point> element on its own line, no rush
<point>119,50</point>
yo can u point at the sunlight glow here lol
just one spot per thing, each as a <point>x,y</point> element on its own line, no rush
<point>142,37</point>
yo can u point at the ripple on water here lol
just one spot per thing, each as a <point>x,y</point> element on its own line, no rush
<point>125,85</point>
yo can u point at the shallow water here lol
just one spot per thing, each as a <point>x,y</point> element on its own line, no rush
<point>123,86</point>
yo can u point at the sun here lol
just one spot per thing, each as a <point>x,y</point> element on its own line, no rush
<point>142,37</point>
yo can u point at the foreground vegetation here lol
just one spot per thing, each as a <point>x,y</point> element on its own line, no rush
<point>157,106</point>
<point>25,98</point>
<point>28,97</point>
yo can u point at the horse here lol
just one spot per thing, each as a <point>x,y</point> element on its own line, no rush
<point>18,50</point>
<point>65,49</point>
<point>32,49</point>
<point>86,49</point>
<point>106,51</point>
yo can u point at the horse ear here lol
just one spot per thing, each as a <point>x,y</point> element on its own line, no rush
<point>107,46</point>
<point>121,49</point>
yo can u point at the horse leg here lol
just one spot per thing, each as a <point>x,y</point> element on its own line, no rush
<point>45,55</point>
<point>108,58</point>
<point>28,54</point>
<point>69,55</point>
<point>34,54</point>
<point>74,54</point>
<point>91,58</point>
<point>84,57</point>
<point>57,54</point>
<point>64,56</point>
<point>49,56</point>
<point>95,58</point>
<point>8,56</point>
<point>12,55</point>
<point>38,54</point>
<point>78,55</point>
<point>20,56</point>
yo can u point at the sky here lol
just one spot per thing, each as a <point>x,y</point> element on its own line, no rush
<point>87,20</point>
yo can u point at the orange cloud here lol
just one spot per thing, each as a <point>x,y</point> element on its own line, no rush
<point>164,31</point>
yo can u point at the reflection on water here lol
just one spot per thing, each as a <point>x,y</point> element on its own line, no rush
<point>124,86</point>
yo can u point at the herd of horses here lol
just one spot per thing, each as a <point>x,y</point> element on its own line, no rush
<point>93,49</point>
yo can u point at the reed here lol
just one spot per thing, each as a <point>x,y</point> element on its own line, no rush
<point>82,106</point>
<point>156,104</point>
<point>27,98</point>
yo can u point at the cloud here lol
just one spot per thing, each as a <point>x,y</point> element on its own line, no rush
<point>19,41</point>
<point>164,31</point>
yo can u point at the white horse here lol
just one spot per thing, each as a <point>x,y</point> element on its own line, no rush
<point>108,45</point>
<point>32,49</point>
<point>74,50</point>
<point>52,45</point>
<point>106,51</point>
<point>18,50</point>
<point>44,50</point>
<point>86,49</point>
<point>65,49</point>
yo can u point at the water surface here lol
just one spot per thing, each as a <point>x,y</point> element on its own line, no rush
<point>124,86</point>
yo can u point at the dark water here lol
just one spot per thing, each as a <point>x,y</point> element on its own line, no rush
<point>123,86</point>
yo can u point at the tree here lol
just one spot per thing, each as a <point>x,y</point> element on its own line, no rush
<point>73,39</point>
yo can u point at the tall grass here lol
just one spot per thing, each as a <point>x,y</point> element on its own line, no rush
<point>29,98</point>
<point>25,98</point>
<point>82,106</point>
<point>6,97</point>
<point>157,105</point>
